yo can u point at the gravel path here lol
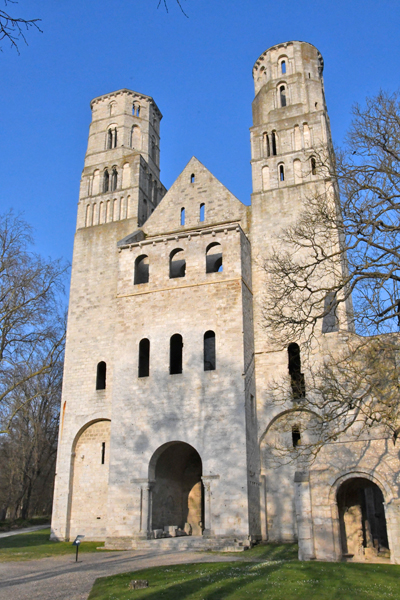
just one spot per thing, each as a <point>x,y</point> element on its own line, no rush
<point>62,579</point>
<point>25,530</point>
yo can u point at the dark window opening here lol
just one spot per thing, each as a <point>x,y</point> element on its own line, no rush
<point>281,173</point>
<point>177,263</point>
<point>175,354</point>
<point>209,351</point>
<point>114,180</point>
<point>182,216</point>
<point>138,111</point>
<point>103,452</point>
<point>115,138</point>
<point>106,181</point>
<point>267,149</point>
<point>296,436</point>
<point>141,269</point>
<point>296,376</point>
<point>329,321</point>
<point>282,95</point>
<point>273,140</point>
<point>101,376</point>
<point>144,358</point>
<point>192,178</point>
<point>109,139</point>
<point>283,67</point>
<point>214,258</point>
<point>202,212</point>
<point>133,109</point>
<point>313,166</point>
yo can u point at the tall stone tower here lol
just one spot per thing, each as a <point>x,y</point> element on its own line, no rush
<point>121,176</point>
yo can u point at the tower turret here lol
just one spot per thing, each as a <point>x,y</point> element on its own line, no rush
<point>121,176</point>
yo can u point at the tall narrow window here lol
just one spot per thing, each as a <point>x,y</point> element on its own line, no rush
<point>296,436</point>
<point>282,95</point>
<point>177,263</point>
<point>296,376</point>
<point>103,452</point>
<point>267,150</point>
<point>144,358</point>
<point>114,180</point>
<point>283,67</point>
<point>136,137</point>
<point>138,110</point>
<point>192,178</point>
<point>209,351</point>
<point>109,139</point>
<point>175,354</point>
<point>330,321</point>
<point>141,269</point>
<point>115,138</point>
<point>106,181</point>
<point>281,173</point>
<point>214,258</point>
<point>202,212</point>
<point>182,216</point>
<point>273,140</point>
<point>265,177</point>
<point>101,376</point>
<point>133,109</point>
<point>313,166</point>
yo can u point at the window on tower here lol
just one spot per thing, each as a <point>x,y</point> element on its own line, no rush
<point>296,376</point>
<point>209,351</point>
<point>281,173</point>
<point>109,139</point>
<point>114,179</point>
<point>214,258</point>
<point>273,142</point>
<point>144,358</point>
<point>282,95</point>
<point>313,166</point>
<point>177,263</point>
<point>283,67</point>
<point>106,181</point>
<point>101,376</point>
<point>175,354</point>
<point>267,149</point>
<point>202,212</point>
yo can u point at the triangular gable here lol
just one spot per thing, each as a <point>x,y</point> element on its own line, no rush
<point>195,186</point>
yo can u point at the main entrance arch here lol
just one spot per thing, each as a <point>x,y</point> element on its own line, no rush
<point>177,493</point>
<point>362,519</point>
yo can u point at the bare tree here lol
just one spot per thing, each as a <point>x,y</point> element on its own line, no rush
<point>32,322</point>
<point>14,28</point>
<point>339,264</point>
<point>165,4</point>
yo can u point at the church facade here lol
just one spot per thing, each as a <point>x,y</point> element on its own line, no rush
<point>167,426</point>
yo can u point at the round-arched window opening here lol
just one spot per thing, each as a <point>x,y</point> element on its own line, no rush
<point>214,258</point>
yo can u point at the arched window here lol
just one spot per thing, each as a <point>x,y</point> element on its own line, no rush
<point>296,436</point>
<point>112,108</point>
<point>283,67</point>
<point>313,166</point>
<point>177,263</point>
<point>115,138</point>
<point>282,95</point>
<point>202,212</point>
<point>192,178</point>
<point>281,173</point>
<point>141,269</point>
<point>296,376</point>
<point>138,111</point>
<point>175,354</point>
<point>144,358</point>
<point>133,109</point>
<point>273,140</point>
<point>297,171</point>
<point>182,216</point>
<point>106,181</point>
<point>114,180</point>
<point>101,376</point>
<point>214,258</point>
<point>109,139</point>
<point>267,149</point>
<point>209,351</point>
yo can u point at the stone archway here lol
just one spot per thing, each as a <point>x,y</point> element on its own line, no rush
<point>362,520</point>
<point>177,493</point>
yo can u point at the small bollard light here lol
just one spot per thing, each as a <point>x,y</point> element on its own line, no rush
<point>76,543</point>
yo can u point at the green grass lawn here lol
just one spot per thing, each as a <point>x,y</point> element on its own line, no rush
<point>28,546</point>
<point>268,572</point>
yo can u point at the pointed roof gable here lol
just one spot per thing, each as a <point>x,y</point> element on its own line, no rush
<point>195,186</point>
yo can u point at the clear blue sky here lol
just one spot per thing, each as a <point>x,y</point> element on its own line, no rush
<point>198,70</point>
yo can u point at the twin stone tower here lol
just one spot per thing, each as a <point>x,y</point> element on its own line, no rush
<point>167,423</point>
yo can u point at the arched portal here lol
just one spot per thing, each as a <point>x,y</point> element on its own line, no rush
<point>362,519</point>
<point>177,497</point>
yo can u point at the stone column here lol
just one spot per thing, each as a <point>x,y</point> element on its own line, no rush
<point>208,484</point>
<point>304,515</point>
<point>392,514</point>
<point>263,507</point>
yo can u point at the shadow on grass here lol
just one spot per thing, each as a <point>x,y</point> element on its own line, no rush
<point>294,580</point>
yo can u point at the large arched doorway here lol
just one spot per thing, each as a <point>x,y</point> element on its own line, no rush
<point>362,519</point>
<point>89,486</point>
<point>177,497</point>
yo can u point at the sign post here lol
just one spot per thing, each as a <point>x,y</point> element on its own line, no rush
<point>76,543</point>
